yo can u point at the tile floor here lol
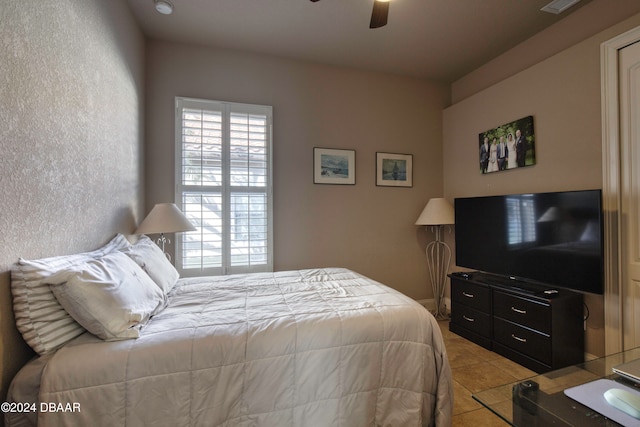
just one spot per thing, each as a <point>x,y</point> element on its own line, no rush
<point>475,369</point>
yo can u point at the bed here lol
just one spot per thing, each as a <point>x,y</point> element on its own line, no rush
<point>314,347</point>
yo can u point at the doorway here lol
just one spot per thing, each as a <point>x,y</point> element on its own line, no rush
<point>620,59</point>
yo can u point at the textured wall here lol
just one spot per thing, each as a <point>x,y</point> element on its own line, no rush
<point>71,111</point>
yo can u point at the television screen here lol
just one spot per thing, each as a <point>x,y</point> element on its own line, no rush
<point>552,238</point>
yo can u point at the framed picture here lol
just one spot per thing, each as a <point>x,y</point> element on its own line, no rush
<point>509,146</point>
<point>394,170</point>
<point>333,166</point>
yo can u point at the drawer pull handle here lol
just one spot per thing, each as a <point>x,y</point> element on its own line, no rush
<point>518,338</point>
<point>518,310</point>
<point>468,319</point>
<point>467,295</point>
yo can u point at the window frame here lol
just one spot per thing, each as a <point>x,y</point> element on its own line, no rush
<point>226,188</point>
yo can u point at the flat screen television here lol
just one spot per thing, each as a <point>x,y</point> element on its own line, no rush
<point>550,238</point>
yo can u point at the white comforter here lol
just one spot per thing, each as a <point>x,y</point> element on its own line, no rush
<point>325,347</point>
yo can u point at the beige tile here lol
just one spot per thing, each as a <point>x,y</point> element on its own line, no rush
<point>444,328</point>
<point>487,355</point>
<point>477,369</point>
<point>493,396</point>
<point>481,376</point>
<point>478,418</point>
<point>518,371</point>
<point>462,354</point>
<point>462,400</point>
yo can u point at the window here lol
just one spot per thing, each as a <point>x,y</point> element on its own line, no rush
<point>521,219</point>
<point>223,184</point>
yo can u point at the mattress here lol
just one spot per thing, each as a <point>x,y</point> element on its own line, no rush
<point>317,347</point>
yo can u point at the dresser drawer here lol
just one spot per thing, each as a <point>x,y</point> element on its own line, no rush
<point>471,295</point>
<point>532,314</point>
<point>523,340</point>
<point>471,319</point>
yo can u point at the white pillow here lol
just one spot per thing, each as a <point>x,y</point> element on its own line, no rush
<point>111,296</point>
<point>154,262</point>
<point>41,320</point>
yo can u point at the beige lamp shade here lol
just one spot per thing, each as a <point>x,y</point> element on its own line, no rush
<point>551,214</point>
<point>437,212</point>
<point>165,218</point>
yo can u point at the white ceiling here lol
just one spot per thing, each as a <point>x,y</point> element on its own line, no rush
<point>440,40</point>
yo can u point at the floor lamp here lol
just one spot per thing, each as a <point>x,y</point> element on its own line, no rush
<point>164,218</point>
<point>436,215</point>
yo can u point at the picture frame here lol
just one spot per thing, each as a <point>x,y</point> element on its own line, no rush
<point>334,166</point>
<point>394,170</point>
<point>509,146</point>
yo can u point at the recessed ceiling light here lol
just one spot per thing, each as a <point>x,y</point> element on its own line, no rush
<point>164,7</point>
<point>559,6</point>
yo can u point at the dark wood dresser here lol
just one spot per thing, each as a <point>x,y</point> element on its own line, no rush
<point>539,327</point>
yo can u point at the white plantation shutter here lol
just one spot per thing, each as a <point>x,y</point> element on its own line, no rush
<point>521,222</point>
<point>223,156</point>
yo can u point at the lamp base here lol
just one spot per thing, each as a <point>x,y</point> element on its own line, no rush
<point>438,259</point>
<point>161,242</point>
<point>442,315</point>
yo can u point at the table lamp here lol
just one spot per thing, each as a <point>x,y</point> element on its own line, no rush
<point>164,218</point>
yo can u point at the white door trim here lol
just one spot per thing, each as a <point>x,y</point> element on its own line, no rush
<point>611,186</point>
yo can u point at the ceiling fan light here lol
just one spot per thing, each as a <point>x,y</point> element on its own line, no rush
<point>379,14</point>
<point>164,7</point>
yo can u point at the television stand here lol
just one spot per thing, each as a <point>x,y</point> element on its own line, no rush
<point>537,326</point>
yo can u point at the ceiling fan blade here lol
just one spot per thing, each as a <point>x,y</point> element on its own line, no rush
<point>314,1</point>
<point>379,14</point>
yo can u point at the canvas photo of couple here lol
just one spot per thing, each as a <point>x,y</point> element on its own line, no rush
<point>509,146</point>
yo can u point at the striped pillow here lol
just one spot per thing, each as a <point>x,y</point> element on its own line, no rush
<point>41,320</point>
